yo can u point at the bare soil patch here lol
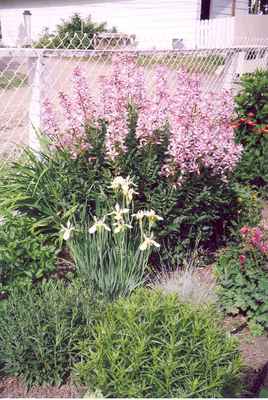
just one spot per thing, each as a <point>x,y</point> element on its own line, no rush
<point>14,388</point>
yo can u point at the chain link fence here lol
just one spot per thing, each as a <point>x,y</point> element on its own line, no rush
<point>28,75</point>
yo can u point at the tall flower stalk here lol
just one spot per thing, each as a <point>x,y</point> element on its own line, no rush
<point>111,253</point>
<point>199,129</point>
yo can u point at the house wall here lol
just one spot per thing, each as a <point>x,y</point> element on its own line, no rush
<point>224,8</point>
<point>250,27</point>
<point>156,21</point>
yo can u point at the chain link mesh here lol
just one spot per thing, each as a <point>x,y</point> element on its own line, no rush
<point>29,74</point>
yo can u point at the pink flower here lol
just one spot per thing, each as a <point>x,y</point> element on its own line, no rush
<point>257,236</point>
<point>195,125</point>
<point>242,259</point>
<point>244,230</point>
<point>264,248</point>
<point>49,121</point>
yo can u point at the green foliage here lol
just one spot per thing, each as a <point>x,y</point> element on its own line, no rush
<point>249,208</point>
<point>25,255</point>
<point>150,345</point>
<point>191,63</point>
<point>110,264</point>
<point>203,206</point>
<point>243,287</point>
<point>76,33</point>
<point>111,254</point>
<point>40,329</point>
<point>252,133</point>
<point>49,187</point>
<point>52,187</point>
<point>10,79</point>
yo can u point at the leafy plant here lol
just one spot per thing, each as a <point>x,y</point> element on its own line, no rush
<point>111,255</point>
<point>252,128</point>
<point>242,276</point>
<point>75,33</point>
<point>25,256</point>
<point>249,206</point>
<point>40,329</point>
<point>49,187</point>
<point>150,345</point>
<point>180,170</point>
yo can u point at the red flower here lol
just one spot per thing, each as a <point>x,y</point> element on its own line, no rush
<point>235,125</point>
<point>251,123</point>
<point>257,236</point>
<point>251,115</point>
<point>242,259</point>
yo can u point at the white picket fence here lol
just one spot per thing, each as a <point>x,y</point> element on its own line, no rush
<point>215,33</point>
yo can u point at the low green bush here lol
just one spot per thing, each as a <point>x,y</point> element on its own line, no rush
<point>242,276</point>
<point>40,329</point>
<point>25,255</point>
<point>150,345</point>
<point>252,128</point>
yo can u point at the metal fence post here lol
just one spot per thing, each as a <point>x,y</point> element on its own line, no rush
<point>230,69</point>
<point>35,117</point>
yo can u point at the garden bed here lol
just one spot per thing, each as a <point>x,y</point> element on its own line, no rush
<point>133,253</point>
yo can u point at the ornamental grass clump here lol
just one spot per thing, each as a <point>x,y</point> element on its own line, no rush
<point>111,253</point>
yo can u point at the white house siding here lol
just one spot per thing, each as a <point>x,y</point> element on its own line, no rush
<point>155,23</point>
<point>224,8</point>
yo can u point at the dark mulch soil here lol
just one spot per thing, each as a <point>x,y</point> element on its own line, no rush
<point>13,388</point>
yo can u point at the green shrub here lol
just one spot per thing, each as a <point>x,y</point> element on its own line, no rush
<point>40,329</point>
<point>149,345</point>
<point>252,133</point>
<point>242,276</point>
<point>25,255</point>
<point>75,33</point>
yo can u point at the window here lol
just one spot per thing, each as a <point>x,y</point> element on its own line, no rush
<point>205,9</point>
